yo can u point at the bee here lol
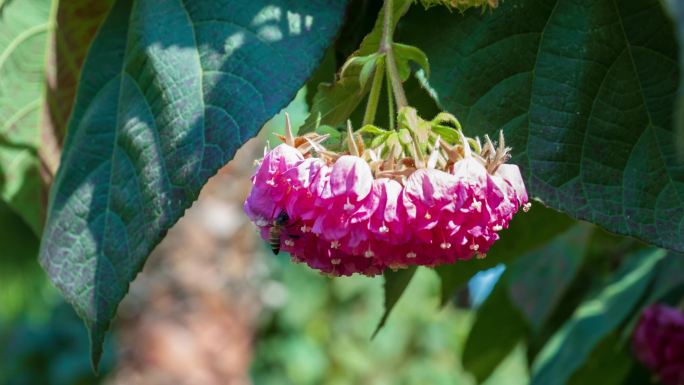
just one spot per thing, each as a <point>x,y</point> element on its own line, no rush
<point>275,233</point>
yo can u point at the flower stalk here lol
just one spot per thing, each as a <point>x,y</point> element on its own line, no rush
<point>386,48</point>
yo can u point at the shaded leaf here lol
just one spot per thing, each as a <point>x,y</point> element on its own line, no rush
<point>20,275</point>
<point>168,93</point>
<point>584,92</point>
<point>498,328</point>
<point>676,9</point>
<point>594,319</point>
<point>609,364</point>
<point>527,231</point>
<point>395,284</point>
<point>538,280</point>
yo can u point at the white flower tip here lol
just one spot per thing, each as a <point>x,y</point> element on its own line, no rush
<point>527,206</point>
<point>289,137</point>
<point>434,156</point>
<point>466,146</point>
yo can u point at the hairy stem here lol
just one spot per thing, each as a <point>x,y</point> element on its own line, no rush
<point>386,48</point>
<point>374,96</point>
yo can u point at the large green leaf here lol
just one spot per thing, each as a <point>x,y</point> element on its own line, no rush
<point>168,92</point>
<point>24,28</point>
<point>595,319</point>
<point>498,328</point>
<point>42,48</point>
<point>527,231</point>
<point>676,9</point>
<point>538,280</point>
<point>524,297</point>
<point>584,91</point>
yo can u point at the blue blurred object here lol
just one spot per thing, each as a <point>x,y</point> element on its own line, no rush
<point>481,285</point>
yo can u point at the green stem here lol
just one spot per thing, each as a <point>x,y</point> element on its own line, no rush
<point>386,48</point>
<point>390,105</point>
<point>374,96</point>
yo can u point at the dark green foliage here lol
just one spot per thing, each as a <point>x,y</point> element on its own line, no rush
<point>584,92</point>
<point>168,93</point>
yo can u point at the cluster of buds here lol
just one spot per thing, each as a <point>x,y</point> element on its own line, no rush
<point>420,195</point>
<point>658,342</point>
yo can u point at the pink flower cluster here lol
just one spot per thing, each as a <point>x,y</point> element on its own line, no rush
<point>342,220</point>
<point>658,342</point>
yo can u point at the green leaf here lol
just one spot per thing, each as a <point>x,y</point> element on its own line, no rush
<point>525,296</point>
<point>538,280</point>
<point>20,275</point>
<point>24,28</point>
<point>527,231</point>
<point>498,328</point>
<point>334,102</point>
<point>594,319</point>
<point>584,92</point>
<point>407,53</point>
<point>676,9</point>
<point>35,99</point>
<point>168,93</point>
<point>609,364</point>
<point>395,284</point>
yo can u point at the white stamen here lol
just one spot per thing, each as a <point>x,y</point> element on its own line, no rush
<point>428,216</point>
<point>289,242</point>
<point>477,205</point>
<point>348,206</point>
<point>271,182</point>
<point>369,254</point>
<point>445,245</point>
<point>410,255</point>
<point>335,261</point>
<point>334,244</point>
<point>474,247</point>
<point>527,206</point>
<point>480,255</point>
<point>384,229</point>
<point>497,228</point>
<point>305,229</point>
<point>261,222</point>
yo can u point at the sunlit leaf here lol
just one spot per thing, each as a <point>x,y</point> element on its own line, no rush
<point>168,92</point>
<point>39,70</point>
<point>594,319</point>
